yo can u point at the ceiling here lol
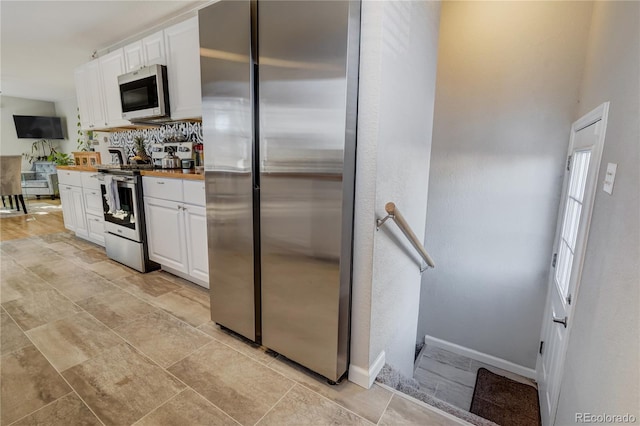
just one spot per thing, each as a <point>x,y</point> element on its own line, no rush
<point>43,41</point>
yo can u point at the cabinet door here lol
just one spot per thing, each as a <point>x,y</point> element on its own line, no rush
<point>80,215</point>
<point>112,65</point>
<point>165,233</point>
<point>196,237</point>
<point>68,210</point>
<point>83,96</point>
<point>133,56</point>
<point>95,97</point>
<point>182,46</point>
<point>153,49</point>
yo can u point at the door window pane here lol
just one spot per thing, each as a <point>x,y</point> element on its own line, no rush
<point>571,219</point>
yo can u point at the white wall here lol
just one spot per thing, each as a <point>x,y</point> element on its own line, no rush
<point>602,365</point>
<point>9,142</point>
<point>507,92</point>
<point>396,95</point>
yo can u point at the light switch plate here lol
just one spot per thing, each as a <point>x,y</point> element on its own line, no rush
<point>609,178</point>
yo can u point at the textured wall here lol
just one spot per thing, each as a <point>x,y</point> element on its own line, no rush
<point>601,370</point>
<point>397,85</point>
<point>507,92</point>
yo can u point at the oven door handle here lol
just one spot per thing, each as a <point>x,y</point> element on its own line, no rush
<point>117,178</point>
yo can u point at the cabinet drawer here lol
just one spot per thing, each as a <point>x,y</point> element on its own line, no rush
<point>92,201</point>
<point>95,226</point>
<point>90,180</point>
<point>69,177</point>
<point>194,192</point>
<point>166,189</point>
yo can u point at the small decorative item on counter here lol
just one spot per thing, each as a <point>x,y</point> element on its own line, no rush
<point>198,153</point>
<point>187,165</point>
<point>141,156</point>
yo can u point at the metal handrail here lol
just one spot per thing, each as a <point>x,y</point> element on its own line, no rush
<point>394,213</point>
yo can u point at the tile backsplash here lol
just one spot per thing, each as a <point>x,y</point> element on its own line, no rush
<point>191,131</point>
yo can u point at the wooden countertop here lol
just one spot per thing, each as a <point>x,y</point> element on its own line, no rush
<point>165,173</point>
<point>174,174</point>
<point>78,168</point>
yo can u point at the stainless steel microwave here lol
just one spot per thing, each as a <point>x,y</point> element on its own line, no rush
<point>144,94</point>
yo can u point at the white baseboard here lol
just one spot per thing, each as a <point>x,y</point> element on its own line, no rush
<point>365,378</point>
<point>185,276</point>
<point>482,357</point>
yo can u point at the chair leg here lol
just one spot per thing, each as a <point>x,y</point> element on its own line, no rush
<point>24,208</point>
<point>11,202</point>
<point>3,203</point>
<point>17,204</point>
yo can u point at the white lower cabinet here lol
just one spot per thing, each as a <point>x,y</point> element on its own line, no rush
<point>81,217</point>
<point>165,233</point>
<point>95,229</point>
<point>177,229</point>
<point>195,219</point>
<point>81,201</point>
<point>68,209</point>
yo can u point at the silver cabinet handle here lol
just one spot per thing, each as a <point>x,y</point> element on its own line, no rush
<point>93,193</point>
<point>562,321</point>
<point>160,183</point>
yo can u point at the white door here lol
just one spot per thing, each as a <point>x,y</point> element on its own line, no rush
<point>80,215</point>
<point>68,209</point>
<point>182,49</point>
<point>165,233</point>
<point>133,56</point>
<point>153,49</point>
<point>580,185</point>
<point>111,66</point>
<point>197,251</point>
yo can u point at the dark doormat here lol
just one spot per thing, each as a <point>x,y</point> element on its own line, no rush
<point>505,401</point>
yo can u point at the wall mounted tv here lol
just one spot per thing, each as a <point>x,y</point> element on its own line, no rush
<point>32,127</point>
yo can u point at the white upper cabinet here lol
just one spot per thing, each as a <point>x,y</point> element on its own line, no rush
<point>177,47</point>
<point>148,51</point>
<point>182,44</point>
<point>112,65</point>
<point>133,56</point>
<point>90,96</point>
<point>153,51</point>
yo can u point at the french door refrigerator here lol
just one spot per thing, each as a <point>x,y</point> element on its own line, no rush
<point>279,106</point>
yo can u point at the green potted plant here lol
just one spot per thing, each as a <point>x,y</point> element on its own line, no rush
<point>43,150</point>
<point>84,138</point>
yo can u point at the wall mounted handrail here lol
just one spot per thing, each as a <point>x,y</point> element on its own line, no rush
<point>394,213</point>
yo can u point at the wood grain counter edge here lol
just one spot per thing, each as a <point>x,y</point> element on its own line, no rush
<point>172,174</point>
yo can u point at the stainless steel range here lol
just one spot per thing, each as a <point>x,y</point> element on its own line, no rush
<point>125,228</point>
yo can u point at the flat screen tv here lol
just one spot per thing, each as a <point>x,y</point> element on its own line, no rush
<point>32,127</point>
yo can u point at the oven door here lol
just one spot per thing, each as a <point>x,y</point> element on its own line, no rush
<point>123,221</point>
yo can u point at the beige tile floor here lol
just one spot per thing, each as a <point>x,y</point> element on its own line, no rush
<point>87,341</point>
<point>451,377</point>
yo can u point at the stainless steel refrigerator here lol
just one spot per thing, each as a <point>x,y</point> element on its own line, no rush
<point>279,106</point>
